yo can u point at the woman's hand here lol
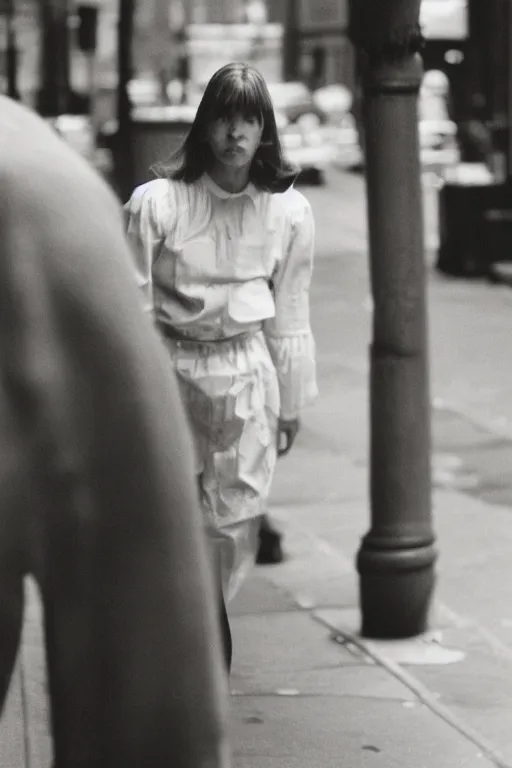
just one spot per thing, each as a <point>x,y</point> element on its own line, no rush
<point>288,430</point>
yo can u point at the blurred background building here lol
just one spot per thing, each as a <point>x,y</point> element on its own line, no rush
<point>63,57</point>
<point>291,40</point>
<point>305,40</point>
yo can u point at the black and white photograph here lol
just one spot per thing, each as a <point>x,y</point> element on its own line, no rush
<point>255,383</point>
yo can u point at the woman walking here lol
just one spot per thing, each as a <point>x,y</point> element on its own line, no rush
<point>224,251</point>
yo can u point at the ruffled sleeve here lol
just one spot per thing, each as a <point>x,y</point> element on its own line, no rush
<point>144,230</point>
<point>289,334</point>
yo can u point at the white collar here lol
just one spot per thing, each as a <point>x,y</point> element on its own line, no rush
<point>250,190</point>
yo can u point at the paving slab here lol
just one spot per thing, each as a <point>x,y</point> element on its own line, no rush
<point>365,680</point>
<point>452,431</point>
<point>258,596</point>
<point>317,580</point>
<point>287,642</point>
<point>330,731</point>
<point>314,476</point>
<point>478,689</point>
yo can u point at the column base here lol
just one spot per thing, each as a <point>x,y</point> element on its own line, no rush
<point>395,589</point>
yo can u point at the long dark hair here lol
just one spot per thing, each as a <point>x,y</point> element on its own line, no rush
<point>236,89</point>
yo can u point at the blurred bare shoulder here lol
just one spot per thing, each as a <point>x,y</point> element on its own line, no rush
<point>57,214</point>
<point>44,182</point>
<point>34,157</point>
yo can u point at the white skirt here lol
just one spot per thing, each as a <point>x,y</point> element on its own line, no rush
<point>230,391</point>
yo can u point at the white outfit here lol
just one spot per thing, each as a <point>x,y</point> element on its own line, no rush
<point>227,277</point>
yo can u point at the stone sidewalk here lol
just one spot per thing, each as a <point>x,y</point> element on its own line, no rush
<point>442,698</point>
<point>309,691</point>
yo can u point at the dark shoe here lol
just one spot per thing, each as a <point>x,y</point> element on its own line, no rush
<point>270,551</point>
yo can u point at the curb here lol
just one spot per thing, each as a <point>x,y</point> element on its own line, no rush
<point>423,694</point>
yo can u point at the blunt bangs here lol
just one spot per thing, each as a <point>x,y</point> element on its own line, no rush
<point>239,92</point>
<point>235,90</point>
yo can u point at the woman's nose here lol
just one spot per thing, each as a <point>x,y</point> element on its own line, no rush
<point>235,128</point>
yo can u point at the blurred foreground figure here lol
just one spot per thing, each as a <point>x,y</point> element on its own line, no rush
<point>97,493</point>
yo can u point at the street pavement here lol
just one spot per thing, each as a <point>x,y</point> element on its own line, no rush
<point>308,690</point>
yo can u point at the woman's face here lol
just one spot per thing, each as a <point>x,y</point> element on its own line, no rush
<point>234,141</point>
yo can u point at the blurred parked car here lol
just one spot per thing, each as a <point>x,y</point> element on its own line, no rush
<point>294,100</point>
<point>341,131</point>
<point>313,129</point>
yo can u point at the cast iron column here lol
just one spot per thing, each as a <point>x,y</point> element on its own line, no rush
<point>11,52</point>
<point>54,93</point>
<point>123,151</point>
<point>291,46</point>
<point>396,558</point>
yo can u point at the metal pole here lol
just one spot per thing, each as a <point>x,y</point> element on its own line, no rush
<point>11,53</point>
<point>396,558</point>
<point>54,94</point>
<point>123,158</point>
<point>291,50</point>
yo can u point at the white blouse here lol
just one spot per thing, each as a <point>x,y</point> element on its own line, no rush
<point>212,265</point>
